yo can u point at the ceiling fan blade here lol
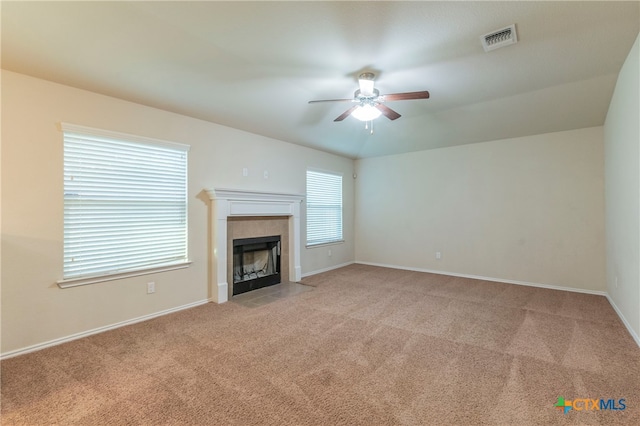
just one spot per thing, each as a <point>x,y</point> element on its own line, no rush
<point>331,100</point>
<point>346,113</point>
<point>406,96</point>
<point>387,112</point>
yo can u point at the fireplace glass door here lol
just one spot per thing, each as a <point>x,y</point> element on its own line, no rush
<point>256,263</point>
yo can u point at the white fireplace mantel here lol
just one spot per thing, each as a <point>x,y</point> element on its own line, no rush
<point>237,203</point>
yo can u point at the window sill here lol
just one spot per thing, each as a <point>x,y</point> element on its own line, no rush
<point>75,282</point>
<point>328,243</point>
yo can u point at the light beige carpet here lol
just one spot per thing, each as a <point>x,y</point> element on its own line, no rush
<point>368,346</point>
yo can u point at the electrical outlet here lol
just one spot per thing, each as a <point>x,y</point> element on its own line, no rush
<point>245,172</point>
<point>151,287</point>
<point>266,174</point>
<point>438,255</point>
<point>329,253</point>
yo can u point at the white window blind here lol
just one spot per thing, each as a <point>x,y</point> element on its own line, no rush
<point>125,204</point>
<point>324,207</point>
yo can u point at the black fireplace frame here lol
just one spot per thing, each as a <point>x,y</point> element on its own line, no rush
<point>244,245</point>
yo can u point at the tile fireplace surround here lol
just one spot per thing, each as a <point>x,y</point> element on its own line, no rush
<point>227,204</point>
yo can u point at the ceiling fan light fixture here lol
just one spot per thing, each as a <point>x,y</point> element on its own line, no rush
<point>366,113</point>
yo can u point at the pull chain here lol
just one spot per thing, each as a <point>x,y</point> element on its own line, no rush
<point>369,125</point>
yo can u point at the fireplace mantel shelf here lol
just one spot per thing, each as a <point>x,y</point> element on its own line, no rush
<point>241,203</point>
<point>243,195</point>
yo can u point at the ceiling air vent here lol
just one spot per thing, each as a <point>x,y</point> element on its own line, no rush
<point>499,38</point>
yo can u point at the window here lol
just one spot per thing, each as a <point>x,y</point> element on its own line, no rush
<point>324,208</point>
<point>125,205</point>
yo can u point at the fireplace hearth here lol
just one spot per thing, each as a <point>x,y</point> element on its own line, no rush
<point>256,263</point>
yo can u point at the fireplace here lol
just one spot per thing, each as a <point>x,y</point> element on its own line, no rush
<point>238,214</point>
<point>256,263</point>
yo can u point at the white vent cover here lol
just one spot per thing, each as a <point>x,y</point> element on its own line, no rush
<point>499,38</point>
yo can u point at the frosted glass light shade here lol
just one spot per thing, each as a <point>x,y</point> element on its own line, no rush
<point>366,113</point>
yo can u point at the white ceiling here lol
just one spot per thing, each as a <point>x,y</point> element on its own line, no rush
<point>255,65</point>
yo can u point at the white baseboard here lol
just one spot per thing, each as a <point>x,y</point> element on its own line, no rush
<point>87,333</point>
<point>331,268</point>
<point>498,280</point>
<point>624,321</point>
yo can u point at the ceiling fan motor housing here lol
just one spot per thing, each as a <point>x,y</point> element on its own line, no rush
<point>365,83</point>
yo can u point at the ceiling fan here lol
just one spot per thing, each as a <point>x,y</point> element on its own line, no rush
<point>369,103</point>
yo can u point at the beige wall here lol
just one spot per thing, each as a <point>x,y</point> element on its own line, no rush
<point>34,309</point>
<point>528,209</point>
<point>622,173</point>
